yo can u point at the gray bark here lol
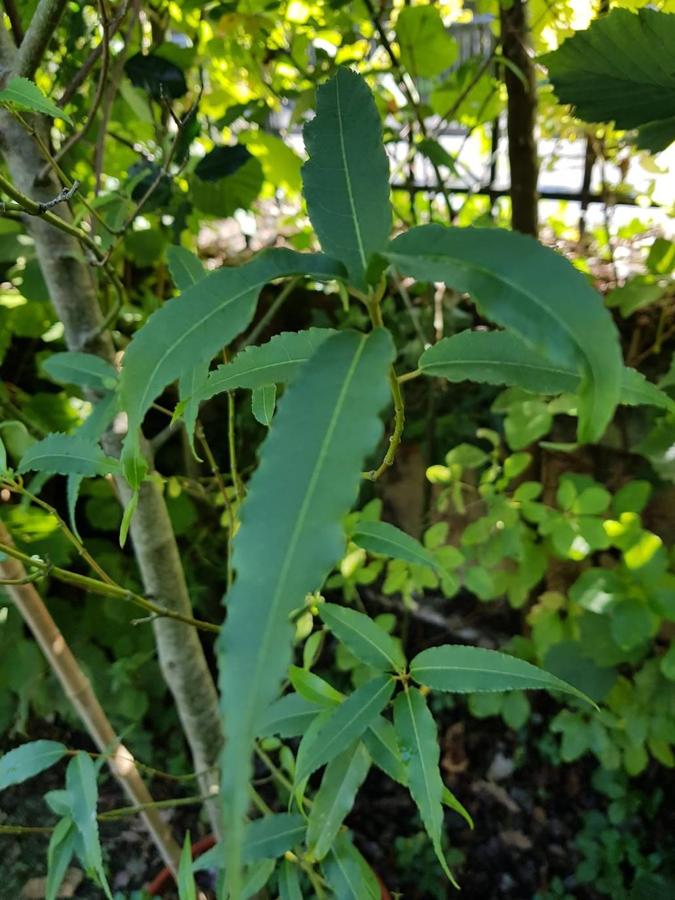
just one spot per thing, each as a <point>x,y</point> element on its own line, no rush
<point>72,290</point>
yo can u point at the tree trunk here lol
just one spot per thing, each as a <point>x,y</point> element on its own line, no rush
<point>73,293</point>
<point>521,116</point>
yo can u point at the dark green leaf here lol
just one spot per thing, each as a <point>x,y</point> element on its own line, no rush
<point>222,198</point>
<point>289,716</point>
<point>192,328</point>
<point>533,291</point>
<point>272,836</point>
<point>382,744</point>
<point>341,781</point>
<point>345,724</point>
<point>67,454</point>
<point>348,874</point>
<point>28,760</point>
<point>289,881</point>
<point>363,637</point>
<point>462,670</point>
<point>275,362</point>
<point>346,180</point>
<point>83,797</point>
<point>381,537</point>
<point>222,161</point>
<point>159,77</point>
<point>82,369</point>
<point>186,269</point>
<point>499,357</point>
<point>416,731</point>
<point>621,70</point>
<point>59,855</point>
<point>313,482</point>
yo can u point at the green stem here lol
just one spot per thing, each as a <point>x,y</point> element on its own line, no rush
<point>92,585</point>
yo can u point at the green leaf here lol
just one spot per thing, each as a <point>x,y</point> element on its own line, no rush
<point>67,454</point>
<point>275,362</point>
<point>381,537</point>
<point>59,854</point>
<point>161,77</point>
<point>187,890</point>
<point>621,70</point>
<point>24,94</point>
<point>272,836</point>
<point>92,429</point>
<point>463,670</point>
<point>341,781</point>
<point>191,328</point>
<point>382,744</point>
<point>313,688</point>
<point>416,731</point>
<point>186,269</point>
<point>313,482</point>
<point>363,637</point>
<point>28,760</point>
<point>345,724</point>
<point>533,291</point>
<point>83,797</point>
<point>82,369</point>
<point>346,180</point>
<point>263,402</point>
<point>348,874</point>
<point>289,881</point>
<point>425,46</point>
<point>289,716</point>
<point>257,877</point>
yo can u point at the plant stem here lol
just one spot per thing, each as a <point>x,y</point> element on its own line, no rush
<point>94,586</point>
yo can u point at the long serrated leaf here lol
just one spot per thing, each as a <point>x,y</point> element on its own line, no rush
<point>341,781</point>
<point>348,874</point>
<point>191,328</point>
<point>345,724</point>
<point>620,69</point>
<point>499,357</point>
<point>363,637</point>
<point>185,268</point>
<point>346,180</point>
<point>59,855</point>
<point>461,669</point>
<point>418,738</point>
<point>187,890</point>
<point>313,483</point>
<point>275,362</point>
<point>289,716</point>
<point>82,369</point>
<point>67,454</point>
<point>28,760</point>
<point>273,835</point>
<point>381,537</point>
<point>25,94</point>
<point>534,292</point>
<point>83,797</point>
